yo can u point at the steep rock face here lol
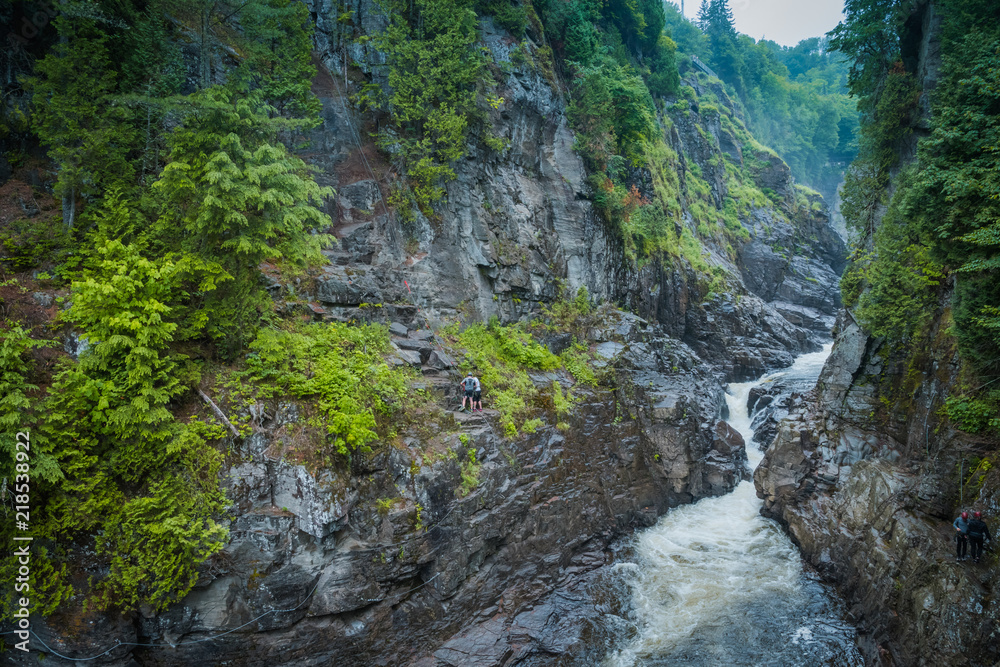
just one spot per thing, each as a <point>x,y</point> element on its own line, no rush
<point>515,223</point>
<point>318,571</point>
<point>867,475</point>
<point>868,495</point>
<point>440,577</point>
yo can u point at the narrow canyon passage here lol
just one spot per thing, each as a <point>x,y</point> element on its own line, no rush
<point>715,583</point>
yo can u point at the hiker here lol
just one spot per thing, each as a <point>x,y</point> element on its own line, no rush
<point>469,385</point>
<point>477,397</point>
<point>961,526</point>
<point>978,532</point>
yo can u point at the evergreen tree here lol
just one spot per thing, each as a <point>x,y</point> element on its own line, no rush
<point>239,198</point>
<point>76,114</point>
<point>715,17</point>
<point>434,74</point>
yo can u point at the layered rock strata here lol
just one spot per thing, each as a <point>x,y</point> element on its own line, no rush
<point>444,574</point>
<point>868,491</point>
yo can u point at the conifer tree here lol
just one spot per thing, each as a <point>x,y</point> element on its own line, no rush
<point>434,72</point>
<point>239,198</point>
<point>75,114</point>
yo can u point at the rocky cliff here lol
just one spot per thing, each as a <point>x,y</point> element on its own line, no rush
<point>318,571</point>
<point>867,473</point>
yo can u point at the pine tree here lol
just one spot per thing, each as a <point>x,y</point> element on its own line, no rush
<point>76,114</point>
<point>239,198</point>
<point>434,72</point>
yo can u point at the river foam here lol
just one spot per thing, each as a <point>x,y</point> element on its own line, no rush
<point>718,584</point>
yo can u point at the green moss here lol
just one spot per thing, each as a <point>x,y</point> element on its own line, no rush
<point>469,473</point>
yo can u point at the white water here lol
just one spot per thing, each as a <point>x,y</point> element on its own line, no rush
<point>718,584</point>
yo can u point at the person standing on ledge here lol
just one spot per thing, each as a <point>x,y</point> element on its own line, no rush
<point>978,532</point>
<point>468,385</point>
<point>961,535</point>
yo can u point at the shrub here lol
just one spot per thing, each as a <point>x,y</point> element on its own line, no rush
<point>337,368</point>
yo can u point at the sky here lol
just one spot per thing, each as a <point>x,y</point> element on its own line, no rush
<point>786,22</point>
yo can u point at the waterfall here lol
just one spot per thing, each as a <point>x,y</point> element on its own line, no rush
<point>715,583</point>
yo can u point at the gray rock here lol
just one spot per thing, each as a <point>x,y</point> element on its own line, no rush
<point>43,299</point>
<point>397,329</point>
<point>422,334</point>
<point>410,357</point>
<point>440,360</point>
<point>318,509</point>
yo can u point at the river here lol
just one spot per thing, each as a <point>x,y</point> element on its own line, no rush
<point>715,583</point>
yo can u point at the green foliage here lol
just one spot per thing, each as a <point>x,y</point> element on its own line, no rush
<point>532,425</point>
<point>125,461</point>
<point>338,369</point>
<point>75,114</point>
<point>562,403</point>
<point>240,198</point>
<point>794,97</point>
<point>434,76</point>
<point>944,212</point>
<point>157,270</point>
<point>611,112</point>
<point>156,541</point>
<point>901,277</point>
<point>956,199</point>
<point>30,242</point>
<point>974,477</point>
<point>664,78</point>
<point>469,473</point>
<point>869,37</point>
<point>579,362</point>
<point>16,408</point>
<point>975,414</point>
<point>568,314</point>
<point>851,284</point>
<point>384,505</point>
<point>277,64</point>
<point>509,15</point>
<point>501,356</point>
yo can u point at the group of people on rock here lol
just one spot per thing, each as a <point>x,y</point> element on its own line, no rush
<point>472,391</point>
<point>971,533</point>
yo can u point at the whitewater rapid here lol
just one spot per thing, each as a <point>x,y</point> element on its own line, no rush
<point>715,583</point>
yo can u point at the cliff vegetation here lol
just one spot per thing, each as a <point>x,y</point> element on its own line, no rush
<point>162,200</point>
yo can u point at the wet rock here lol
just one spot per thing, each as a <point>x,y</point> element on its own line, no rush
<point>317,509</point>
<point>439,360</point>
<point>75,344</point>
<point>420,347</point>
<point>397,329</point>
<point>422,334</point>
<point>410,357</point>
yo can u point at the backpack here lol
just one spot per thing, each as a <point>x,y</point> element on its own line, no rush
<point>469,383</point>
<point>977,528</point>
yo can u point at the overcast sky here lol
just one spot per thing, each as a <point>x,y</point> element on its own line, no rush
<point>783,21</point>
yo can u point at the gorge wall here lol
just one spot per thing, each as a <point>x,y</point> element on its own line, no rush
<point>867,473</point>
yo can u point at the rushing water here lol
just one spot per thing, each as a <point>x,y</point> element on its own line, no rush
<point>715,583</point>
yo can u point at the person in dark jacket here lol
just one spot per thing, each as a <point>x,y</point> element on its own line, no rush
<point>978,532</point>
<point>962,534</point>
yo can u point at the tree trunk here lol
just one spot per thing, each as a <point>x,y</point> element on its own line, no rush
<point>205,58</point>
<point>69,208</point>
